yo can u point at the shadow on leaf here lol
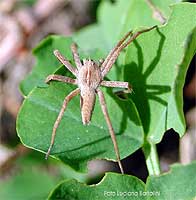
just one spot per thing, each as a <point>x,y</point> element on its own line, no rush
<point>143,92</point>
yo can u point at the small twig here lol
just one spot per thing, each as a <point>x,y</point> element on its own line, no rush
<point>157,14</point>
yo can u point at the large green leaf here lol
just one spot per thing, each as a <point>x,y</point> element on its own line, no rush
<point>160,108</point>
<point>156,65</point>
<point>75,144</point>
<point>178,184</point>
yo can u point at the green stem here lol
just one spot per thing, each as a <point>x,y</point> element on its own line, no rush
<point>152,160</point>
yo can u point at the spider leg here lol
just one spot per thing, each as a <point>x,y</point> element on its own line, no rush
<point>76,56</point>
<point>118,84</point>
<point>57,122</point>
<point>115,53</point>
<point>65,79</point>
<point>65,62</point>
<point>114,49</point>
<point>111,130</point>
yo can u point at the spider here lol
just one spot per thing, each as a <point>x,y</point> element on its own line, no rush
<point>89,77</point>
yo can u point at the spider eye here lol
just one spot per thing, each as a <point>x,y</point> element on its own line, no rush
<point>101,61</point>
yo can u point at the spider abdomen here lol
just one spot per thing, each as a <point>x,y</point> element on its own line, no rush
<point>87,102</point>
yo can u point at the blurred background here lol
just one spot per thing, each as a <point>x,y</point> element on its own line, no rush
<point>23,24</point>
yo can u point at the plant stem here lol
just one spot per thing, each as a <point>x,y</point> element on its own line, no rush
<point>152,160</point>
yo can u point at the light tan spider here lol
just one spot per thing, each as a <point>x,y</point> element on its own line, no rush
<point>89,78</point>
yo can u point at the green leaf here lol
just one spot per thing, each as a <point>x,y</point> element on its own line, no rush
<point>159,109</point>
<point>165,6</point>
<point>35,129</point>
<point>119,18</point>
<point>75,144</point>
<point>94,33</point>
<point>178,183</point>
<point>115,19</point>
<point>156,65</point>
<point>112,187</point>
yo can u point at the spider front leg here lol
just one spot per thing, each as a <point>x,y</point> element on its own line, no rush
<point>57,122</point>
<point>111,130</point>
<point>65,62</point>
<point>76,56</point>
<point>113,55</point>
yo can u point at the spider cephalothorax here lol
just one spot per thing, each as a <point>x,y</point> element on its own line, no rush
<point>89,77</point>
